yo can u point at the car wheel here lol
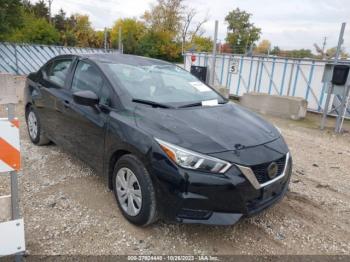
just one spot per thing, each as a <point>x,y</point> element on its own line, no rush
<point>35,130</point>
<point>134,191</point>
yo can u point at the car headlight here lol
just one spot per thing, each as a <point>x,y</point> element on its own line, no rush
<point>193,160</point>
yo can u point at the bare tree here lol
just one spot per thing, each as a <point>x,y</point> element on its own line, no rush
<point>320,51</point>
<point>198,30</point>
<point>330,53</point>
<point>188,17</point>
<point>190,28</point>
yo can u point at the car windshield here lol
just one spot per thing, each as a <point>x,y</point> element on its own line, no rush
<point>165,84</point>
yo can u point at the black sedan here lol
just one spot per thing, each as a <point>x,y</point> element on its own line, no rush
<point>169,145</point>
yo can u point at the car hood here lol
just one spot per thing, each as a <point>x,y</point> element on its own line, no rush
<point>206,129</point>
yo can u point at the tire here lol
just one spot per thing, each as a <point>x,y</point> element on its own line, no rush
<point>146,212</point>
<point>35,130</point>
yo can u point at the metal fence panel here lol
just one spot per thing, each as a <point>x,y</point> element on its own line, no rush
<point>272,75</point>
<point>22,59</point>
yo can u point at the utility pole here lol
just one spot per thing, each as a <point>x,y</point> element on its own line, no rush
<point>120,48</point>
<point>324,48</point>
<point>330,85</point>
<point>50,3</point>
<point>212,71</point>
<point>343,102</point>
<point>105,39</point>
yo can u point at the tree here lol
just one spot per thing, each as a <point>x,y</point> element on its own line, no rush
<point>11,17</point>
<point>241,32</point>
<point>171,24</point>
<point>27,5</point>
<point>275,51</point>
<point>68,38</point>
<point>40,10</point>
<point>159,45</point>
<point>226,48</point>
<point>263,47</point>
<point>297,53</point>
<point>132,31</point>
<point>59,21</point>
<point>189,28</point>
<point>65,25</point>
<point>331,52</point>
<point>165,16</point>
<point>167,25</point>
<point>163,23</point>
<point>202,44</point>
<point>84,33</point>
<point>37,31</point>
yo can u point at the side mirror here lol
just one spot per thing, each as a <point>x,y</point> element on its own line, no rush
<point>85,98</point>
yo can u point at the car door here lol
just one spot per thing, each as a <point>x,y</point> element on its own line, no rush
<point>52,91</point>
<point>87,124</point>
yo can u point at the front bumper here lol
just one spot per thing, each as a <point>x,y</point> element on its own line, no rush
<point>201,198</point>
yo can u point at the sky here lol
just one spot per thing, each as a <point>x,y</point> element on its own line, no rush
<point>289,24</point>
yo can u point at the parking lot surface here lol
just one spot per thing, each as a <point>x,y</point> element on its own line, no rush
<point>68,209</point>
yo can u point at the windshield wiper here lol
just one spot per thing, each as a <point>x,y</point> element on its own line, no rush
<point>151,103</point>
<point>199,104</point>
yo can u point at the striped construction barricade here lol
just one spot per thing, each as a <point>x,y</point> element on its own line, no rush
<point>11,225</point>
<point>9,145</point>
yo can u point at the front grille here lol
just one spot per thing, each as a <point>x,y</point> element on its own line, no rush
<point>260,171</point>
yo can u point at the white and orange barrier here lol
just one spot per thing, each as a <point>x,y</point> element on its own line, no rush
<point>12,240</point>
<point>10,159</point>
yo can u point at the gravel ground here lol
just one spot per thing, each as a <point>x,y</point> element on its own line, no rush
<point>69,210</point>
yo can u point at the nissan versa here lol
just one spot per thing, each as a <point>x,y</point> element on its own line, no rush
<point>169,145</point>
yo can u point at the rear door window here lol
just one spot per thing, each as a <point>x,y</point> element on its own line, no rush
<point>58,72</point>
<point>45,71</point>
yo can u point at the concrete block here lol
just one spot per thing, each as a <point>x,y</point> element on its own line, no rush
<point>223,91</point>
<point>11,87</point>
<point>283,106</point>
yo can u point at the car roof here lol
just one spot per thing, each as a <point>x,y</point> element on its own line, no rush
<point>122,58</point>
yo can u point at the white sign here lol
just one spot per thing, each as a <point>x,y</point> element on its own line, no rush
<point>12,237</point>
<point>200,86</point>
<point>213,102</point>
<point>234,66</point>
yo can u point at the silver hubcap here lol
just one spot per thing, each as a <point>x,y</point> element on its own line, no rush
<point>32,125</point>
<point>128,191</point>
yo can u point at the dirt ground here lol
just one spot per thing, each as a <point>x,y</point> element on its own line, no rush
<point>69,210</point>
